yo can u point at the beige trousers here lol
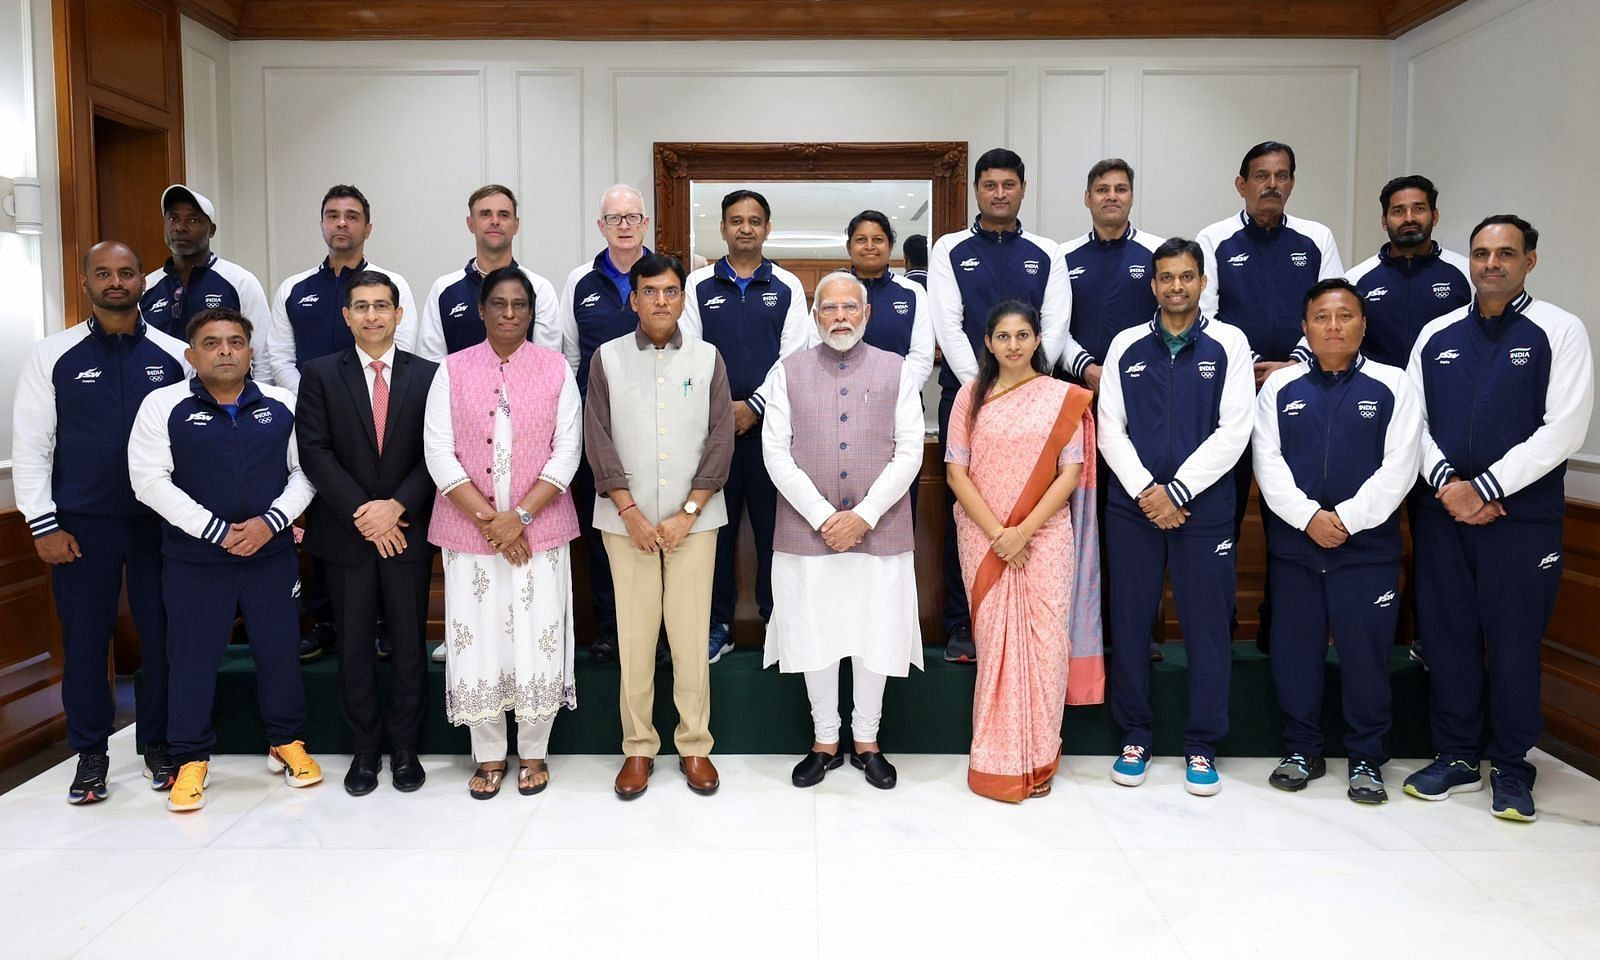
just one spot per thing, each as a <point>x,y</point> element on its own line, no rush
<point>676,586</point>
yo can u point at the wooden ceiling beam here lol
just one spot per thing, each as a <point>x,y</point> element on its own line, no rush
<point>1402,15</point>
<point>220,16</point>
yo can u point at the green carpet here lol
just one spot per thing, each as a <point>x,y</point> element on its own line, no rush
<point>763,711</point>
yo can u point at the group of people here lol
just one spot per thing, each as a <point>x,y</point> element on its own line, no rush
<point>1116,382</point>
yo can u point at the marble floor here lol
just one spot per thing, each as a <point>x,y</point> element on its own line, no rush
<point>764,870</point>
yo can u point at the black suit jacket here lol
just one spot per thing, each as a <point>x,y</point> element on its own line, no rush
<point>339,453</point>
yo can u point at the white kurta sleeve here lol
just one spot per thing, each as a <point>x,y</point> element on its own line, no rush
<point>1273,476</point>
<point>1379,495</point>
<point>901,472</point>
<point>777,435</point>
<point>567,446</point>
<point>150,471</point>
<point>944,303</point>
<point>1219,453</point>
<point>439,435</point>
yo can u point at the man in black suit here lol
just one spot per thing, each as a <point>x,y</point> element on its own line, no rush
<point>359,426</point>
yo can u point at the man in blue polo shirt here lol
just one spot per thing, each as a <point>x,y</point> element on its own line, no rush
<point>76,397</point>
<point>754,312</point>
<point>595,309</point>
<point>969,271</point>
<point>1335,450</point>
<point>1175,411</point>
<point>194,278</point>
<point>1508,386</point>
<point>450,319</point>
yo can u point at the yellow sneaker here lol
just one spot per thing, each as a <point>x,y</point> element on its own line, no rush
<point>299,770</point>
<point>189,792</point>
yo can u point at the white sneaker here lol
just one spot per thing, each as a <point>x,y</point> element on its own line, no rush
<point>437,656</point>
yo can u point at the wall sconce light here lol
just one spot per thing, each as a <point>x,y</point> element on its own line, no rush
<point>21,206</point>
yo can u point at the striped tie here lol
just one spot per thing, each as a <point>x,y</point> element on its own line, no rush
<point>380,402</point>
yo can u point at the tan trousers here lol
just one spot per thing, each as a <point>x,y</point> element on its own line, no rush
<point>678,586</point>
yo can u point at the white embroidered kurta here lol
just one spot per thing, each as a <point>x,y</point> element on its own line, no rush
<point>826,608</point>
<point>508,630</point>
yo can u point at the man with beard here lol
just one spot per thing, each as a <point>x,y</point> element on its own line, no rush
<point>195,279</point>
<point>76,397</point>
<point>844,458</point>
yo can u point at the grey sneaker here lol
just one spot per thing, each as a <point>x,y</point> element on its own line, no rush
<point>1366,783</point>
<point>1296,770</point>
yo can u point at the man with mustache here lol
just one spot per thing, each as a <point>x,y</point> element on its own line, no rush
<point>76,396</point>
<point>843,443</point>
<point>1262,263</point>
<point>1508,386</point>
<point>195,279</point>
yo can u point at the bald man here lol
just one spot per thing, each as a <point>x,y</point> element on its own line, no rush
<point>76,399</point>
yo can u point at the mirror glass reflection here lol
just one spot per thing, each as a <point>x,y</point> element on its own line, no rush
<point>809,217</point>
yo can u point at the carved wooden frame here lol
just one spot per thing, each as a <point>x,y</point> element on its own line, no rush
<point>943,162</point>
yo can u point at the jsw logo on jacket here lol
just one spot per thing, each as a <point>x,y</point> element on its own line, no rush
<point>1259,277</point>
<point>1344,441</point>
<point>594,311</point>
<point>1403,294</point>
<point>1110,287</point>
<point>753,322</point>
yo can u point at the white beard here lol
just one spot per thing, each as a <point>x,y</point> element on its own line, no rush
<point>842,342</point>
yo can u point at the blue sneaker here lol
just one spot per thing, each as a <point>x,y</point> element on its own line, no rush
<point>1513,799</point>
<point>1440,779</point>
<point>1201,778</point>
<point>721,642</point>
<point>1130,768</point>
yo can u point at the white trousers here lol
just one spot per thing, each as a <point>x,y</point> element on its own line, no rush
<point>822,686</point>
<point>489,739</point>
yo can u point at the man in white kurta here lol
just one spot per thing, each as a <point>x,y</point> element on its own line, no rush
<point>843,444</point>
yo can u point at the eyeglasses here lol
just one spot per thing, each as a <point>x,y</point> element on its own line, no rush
<point>618,219</point>
<point>828,308</point>
<point>375,306</point>
<point>668,294</point>
<point>497,306</point>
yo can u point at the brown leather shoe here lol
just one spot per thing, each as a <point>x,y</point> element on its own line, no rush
<point>634,777</point>
<point>702,776</point>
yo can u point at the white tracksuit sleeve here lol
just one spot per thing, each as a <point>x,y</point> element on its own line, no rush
<point>919,356</point>
<point>33,444</point>
<point>1211,296</point>
<point>150,470</point>
<point>430,326</point>
<point>567,319</point>
<point>1055,319</point>
<point>798,333</point>
<point>253,304</point>
<point>1332,266</point>
<point>944,302</point>
<point>546,313</point>
<point>1436,471</point>
<point>1273,476</point>
<point>1379,496</point>
<point>1568,402</point>
<point>280,343</point>
<point>405,335</point>
<point>1112,426</point>
<point>1217,454</point>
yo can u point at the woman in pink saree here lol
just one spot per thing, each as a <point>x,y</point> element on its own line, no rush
<point>1021,462</point>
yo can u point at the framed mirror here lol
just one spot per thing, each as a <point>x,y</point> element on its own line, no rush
<point>815,188</point>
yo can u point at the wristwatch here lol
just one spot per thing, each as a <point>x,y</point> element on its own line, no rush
<point>691,508</point>
<point>524,516</point>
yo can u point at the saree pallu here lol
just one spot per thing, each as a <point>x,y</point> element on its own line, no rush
<point>1037,628</point>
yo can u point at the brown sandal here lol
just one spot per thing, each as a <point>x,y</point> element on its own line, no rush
<point>491,777</point>
<point>1040,790</point>
<point>525,773</point>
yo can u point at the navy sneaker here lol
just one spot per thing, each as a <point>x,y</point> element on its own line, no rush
<point>1366,783</point>
<point>720,642</point>
<point>159,767</point>
<point>1201,777</point>
<point>1131,767</point>
<point>89,782</point>
<point>1440,779</point>
<point>1513,799</point>
<point>1296,770</point>
<point>960,648</point>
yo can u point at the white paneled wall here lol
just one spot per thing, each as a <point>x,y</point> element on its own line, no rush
<point>1496,102</point>
<point>418,125</point>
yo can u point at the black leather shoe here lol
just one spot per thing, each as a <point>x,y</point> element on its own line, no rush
<point>363,776</point>
<point>380,641</point>
<point>880,772</point>
<point>1156,653</point>
<point>407,770</point>
<point>604,647</point>
<point>814,766</point>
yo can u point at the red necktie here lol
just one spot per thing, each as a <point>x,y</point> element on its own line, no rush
<point>380,402</point>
